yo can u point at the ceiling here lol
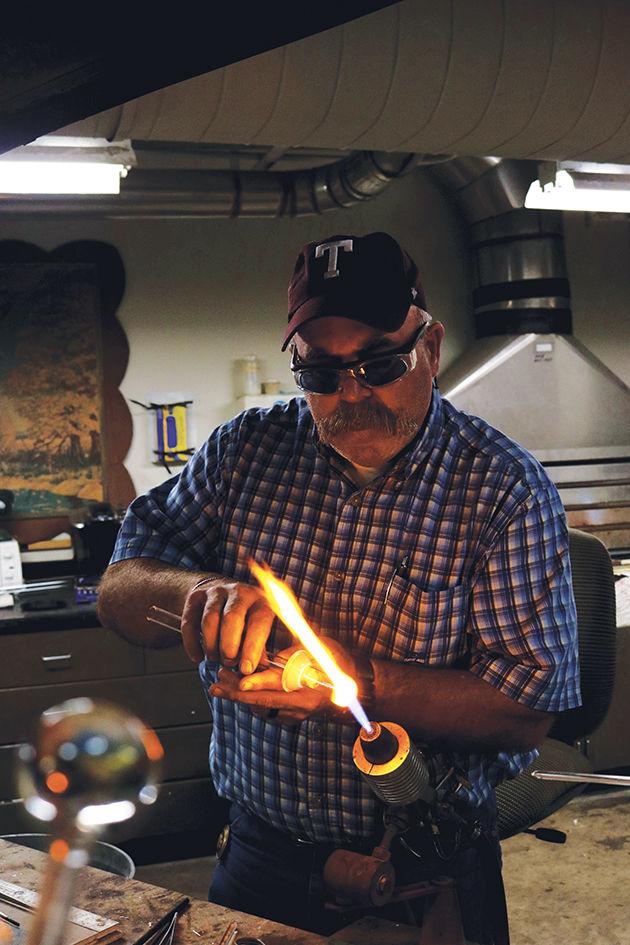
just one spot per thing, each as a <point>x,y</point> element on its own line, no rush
<point>298,115</point>
<point>62,62</point>
<point>545,79</point>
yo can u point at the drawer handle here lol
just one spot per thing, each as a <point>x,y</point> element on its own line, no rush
<point>62,661</point>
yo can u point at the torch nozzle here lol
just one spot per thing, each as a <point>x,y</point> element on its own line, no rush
<point>380,745</point>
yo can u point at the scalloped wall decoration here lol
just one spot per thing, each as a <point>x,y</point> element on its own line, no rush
<point>65,428</point>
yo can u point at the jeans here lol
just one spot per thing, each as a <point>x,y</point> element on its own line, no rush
<point>265,872</point>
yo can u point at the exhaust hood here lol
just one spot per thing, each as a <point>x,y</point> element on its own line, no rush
<point>547,391</point>
<point>526,373</point>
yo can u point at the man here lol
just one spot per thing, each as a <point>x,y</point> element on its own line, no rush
<point>426,547</point>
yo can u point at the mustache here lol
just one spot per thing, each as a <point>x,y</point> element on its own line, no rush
<point>375,416</point>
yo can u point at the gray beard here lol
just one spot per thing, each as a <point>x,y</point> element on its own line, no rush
<point>375,416</point>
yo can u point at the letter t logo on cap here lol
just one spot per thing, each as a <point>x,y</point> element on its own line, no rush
<point>332,248</point>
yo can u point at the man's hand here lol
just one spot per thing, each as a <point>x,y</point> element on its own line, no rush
<point>262,691</point>
<point>227,621</point>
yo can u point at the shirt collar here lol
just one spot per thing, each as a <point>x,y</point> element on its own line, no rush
<point>415,454</point>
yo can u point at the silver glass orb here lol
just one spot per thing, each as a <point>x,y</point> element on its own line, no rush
<point>91,765</point>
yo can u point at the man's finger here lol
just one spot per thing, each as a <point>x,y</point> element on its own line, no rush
<point>211,621</point>
<point>233,618</point>
<point>266,679</point>
<point>191,626</point>
<point>300,701</point>
<point>259,622</point>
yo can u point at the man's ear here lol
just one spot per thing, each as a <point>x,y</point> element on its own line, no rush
<point>433,342</point>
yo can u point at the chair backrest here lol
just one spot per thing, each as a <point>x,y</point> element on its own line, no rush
<point>594,590</point>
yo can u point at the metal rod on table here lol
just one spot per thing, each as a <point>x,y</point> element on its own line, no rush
<point>164,922</point>
<point>620,779</point>
<point>166,618</point>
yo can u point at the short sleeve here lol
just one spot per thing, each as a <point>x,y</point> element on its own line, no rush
<point>523,622</point>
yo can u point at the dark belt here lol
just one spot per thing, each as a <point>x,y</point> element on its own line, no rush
<point>268,833</point>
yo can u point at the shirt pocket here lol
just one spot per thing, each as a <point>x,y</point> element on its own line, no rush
<point>410,622</point>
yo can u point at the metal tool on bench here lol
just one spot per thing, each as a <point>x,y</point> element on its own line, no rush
<point>622,780</point>
<point>92,764</point>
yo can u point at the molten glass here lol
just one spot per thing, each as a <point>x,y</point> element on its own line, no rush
<point>285,606</point>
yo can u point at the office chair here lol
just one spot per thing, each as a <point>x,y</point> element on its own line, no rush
<point>524,801</point>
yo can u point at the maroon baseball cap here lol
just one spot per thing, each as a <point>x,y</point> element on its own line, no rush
<point>369,279</point>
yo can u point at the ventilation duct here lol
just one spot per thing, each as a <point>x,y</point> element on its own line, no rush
<point>519,266</point>
<point>225,193</point>
<point>526,373</point>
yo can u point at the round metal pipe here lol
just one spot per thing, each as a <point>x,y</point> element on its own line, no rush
<point>222,193</point>
<point>519,265</point>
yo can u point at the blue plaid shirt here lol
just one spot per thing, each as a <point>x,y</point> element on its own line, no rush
<point>487,586</point>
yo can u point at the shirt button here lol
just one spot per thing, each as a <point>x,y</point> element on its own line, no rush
<point>317,802</point>
<point>318,730</point>
<point>355,500</point>
<point>337,576</point>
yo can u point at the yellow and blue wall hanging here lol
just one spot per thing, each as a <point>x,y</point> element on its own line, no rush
<point>170,432</point>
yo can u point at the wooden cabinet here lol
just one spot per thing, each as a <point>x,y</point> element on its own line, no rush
<point>63,656</point>
<point>44,668</point>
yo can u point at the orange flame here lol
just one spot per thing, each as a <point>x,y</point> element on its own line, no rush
<point>285,606</point>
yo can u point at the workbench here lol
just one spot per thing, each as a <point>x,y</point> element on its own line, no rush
<point>137,906</point>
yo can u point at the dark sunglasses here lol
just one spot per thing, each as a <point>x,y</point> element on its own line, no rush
<point>321,377</point>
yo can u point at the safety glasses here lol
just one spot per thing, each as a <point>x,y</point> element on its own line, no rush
<point>322,377</point>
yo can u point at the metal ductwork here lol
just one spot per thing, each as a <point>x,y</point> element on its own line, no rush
<point>519,265</point>
<point>526,373</point>
<point>537,79</point>
<point>224,193</point>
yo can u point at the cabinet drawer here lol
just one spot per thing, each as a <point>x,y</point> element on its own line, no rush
<point>171,659</point>
<point>181,805</point>
<point>160,701</point>
<point>185,751</point>
<point>185,756</point>
<point>14,818</point>
<point>8,762</point>
<point>58,656</point>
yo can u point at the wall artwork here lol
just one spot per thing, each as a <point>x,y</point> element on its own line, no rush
<point>64,428</point>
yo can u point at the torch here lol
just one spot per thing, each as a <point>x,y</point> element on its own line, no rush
<point>383,753</point>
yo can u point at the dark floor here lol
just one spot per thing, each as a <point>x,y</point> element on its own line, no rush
<point>577,893</point>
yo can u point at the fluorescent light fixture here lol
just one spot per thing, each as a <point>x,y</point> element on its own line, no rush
<point>49,177</point>
<point>576,185</point>
<point>55,164</point>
